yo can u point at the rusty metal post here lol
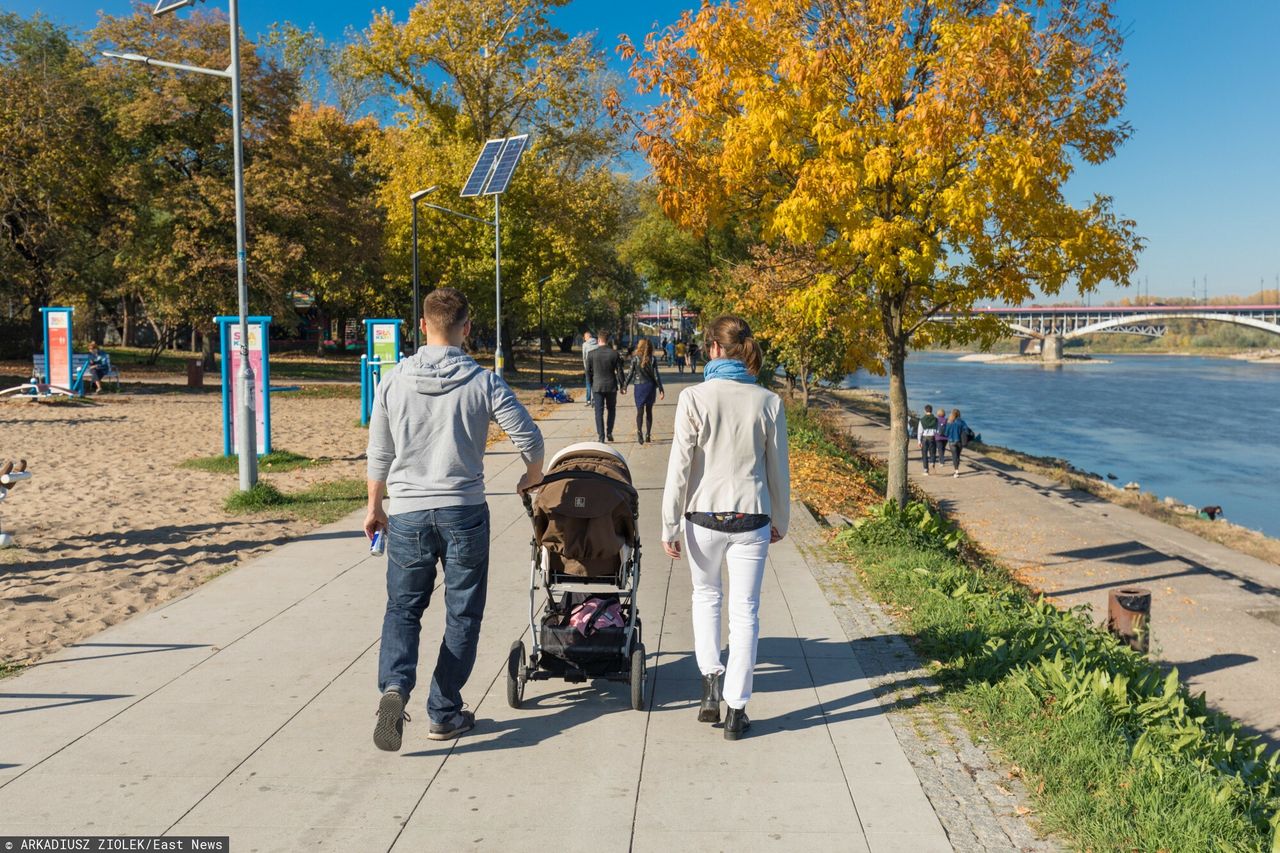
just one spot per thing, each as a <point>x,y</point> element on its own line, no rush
<point>1129,617</point>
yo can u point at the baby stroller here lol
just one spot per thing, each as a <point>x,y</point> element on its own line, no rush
<point>586,555</point>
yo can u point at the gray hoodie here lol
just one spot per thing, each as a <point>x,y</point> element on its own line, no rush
<point>429,428</point>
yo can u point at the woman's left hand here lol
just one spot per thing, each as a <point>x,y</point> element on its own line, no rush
<point>662,395</point>
<point>672,549</point>
<point>774,535</point>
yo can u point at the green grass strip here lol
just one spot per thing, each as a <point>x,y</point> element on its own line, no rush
<point>273,462</point>
<point>322,503</point>
<point>1122,757</point>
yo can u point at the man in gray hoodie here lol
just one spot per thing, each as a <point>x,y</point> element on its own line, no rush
<point>427,436</point>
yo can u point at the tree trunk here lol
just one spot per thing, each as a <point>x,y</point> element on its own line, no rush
<point>207,351</point>
<point>804,386</point>
<point>126,335</point>
<point>508,351</point>
<point>897,490</point>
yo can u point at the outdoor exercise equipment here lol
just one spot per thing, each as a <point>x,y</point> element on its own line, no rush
<point>382,345</point>
<point>259,361</point>
<point>11,473</point>
<point>58,372</point>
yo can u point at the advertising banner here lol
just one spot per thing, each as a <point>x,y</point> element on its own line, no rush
<point>57,332</point>
<point>259,387</point>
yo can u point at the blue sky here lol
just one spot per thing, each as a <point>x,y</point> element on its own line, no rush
<point>1201,175</point>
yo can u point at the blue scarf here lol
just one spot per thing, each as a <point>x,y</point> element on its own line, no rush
<point>727,368</point>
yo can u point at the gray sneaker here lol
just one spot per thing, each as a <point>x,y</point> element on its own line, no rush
<point>462,722</point>
<point>389,730</point>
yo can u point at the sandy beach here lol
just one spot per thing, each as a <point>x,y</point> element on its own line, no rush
<point>110,525</point>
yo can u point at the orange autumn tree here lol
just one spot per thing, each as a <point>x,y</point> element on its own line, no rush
<point>918,148</point>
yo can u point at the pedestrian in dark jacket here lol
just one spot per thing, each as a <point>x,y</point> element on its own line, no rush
<point>605,376</point>
<point>956,430</point>
<point>928,428</point>
<point>645,377</point>
<point>940,437</point>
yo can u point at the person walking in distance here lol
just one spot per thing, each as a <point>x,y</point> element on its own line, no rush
<point>427,436</point>
<point>646,379</point>
<point>957,436</point>
<point>927,429</point>
<point>680,351</point>
<point>604,375</point>
<point>728,490</point>
<point>693,356</point>
<point>588,344</point>
<point>940,437</point>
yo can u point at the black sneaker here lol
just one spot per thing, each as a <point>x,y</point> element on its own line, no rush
<point>462,722</point>
<point>389,729</point>
<point>610,436</point>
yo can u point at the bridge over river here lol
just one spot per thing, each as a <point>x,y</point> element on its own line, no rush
<point>1051,327</point>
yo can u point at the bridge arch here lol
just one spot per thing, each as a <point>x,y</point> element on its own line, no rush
<point>1155,316</point>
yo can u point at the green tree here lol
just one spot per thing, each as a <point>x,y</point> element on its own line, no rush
<point>468,71</point>
<point>175,240</point>
<point>55,172</point>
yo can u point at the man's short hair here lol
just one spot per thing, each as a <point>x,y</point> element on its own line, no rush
<point>603,337</point>
<point>445,309</point>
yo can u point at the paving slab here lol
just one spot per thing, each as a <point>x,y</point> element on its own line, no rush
<point>245,708</point>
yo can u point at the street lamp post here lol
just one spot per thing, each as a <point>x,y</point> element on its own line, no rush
<point>414,197</point>
<point>542,330</point>
<point>246,420</point>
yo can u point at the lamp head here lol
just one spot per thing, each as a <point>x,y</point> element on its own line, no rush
<point>420,193</point>
<point>164,7</point>
<point>128,57</point>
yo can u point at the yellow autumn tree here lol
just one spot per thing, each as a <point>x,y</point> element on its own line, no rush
<point>794,305</point>
<point>919,148</point>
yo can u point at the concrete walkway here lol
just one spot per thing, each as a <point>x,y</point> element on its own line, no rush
<point>1215,611</point>
<point>246,709</point>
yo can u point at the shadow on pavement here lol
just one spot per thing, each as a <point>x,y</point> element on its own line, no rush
<point>141,649</point>
<point>69,699</point>
<point>1134,553</point>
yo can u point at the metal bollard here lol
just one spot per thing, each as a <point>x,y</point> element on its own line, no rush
<point>1129,617</point>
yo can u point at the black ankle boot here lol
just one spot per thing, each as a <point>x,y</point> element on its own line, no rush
<point>639,437</point>
<point>735,723</point>
<point>709,710</point>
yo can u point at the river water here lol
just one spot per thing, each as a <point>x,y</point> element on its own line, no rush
<point>1203,430</point>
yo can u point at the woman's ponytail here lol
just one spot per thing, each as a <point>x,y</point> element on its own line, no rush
<point>752,357</point>
<point>734,337</point>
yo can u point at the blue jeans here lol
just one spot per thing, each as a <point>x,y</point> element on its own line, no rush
<point>458,537</point>
<point>588,384</point>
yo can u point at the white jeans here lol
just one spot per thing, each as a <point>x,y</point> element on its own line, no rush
<point>745,554</point>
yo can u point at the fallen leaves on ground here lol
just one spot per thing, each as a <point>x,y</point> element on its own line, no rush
<point>829,485</point>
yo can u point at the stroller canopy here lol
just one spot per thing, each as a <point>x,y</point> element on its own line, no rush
<point>586,510</point>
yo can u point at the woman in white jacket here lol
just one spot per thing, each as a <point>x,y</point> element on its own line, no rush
<point>728,478</point>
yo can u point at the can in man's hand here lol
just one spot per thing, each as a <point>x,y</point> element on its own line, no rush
<point>379,544</point>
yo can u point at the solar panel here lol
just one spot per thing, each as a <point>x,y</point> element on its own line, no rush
<point>484,164</point>
<point>506,165</point>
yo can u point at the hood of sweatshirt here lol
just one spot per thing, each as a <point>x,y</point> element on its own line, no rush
<point>435,370</point>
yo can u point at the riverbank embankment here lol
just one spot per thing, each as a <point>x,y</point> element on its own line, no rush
<point>1216,611</point>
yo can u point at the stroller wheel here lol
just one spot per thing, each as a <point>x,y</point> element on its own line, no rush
<point>637,677</point>
<point>515,674</point>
